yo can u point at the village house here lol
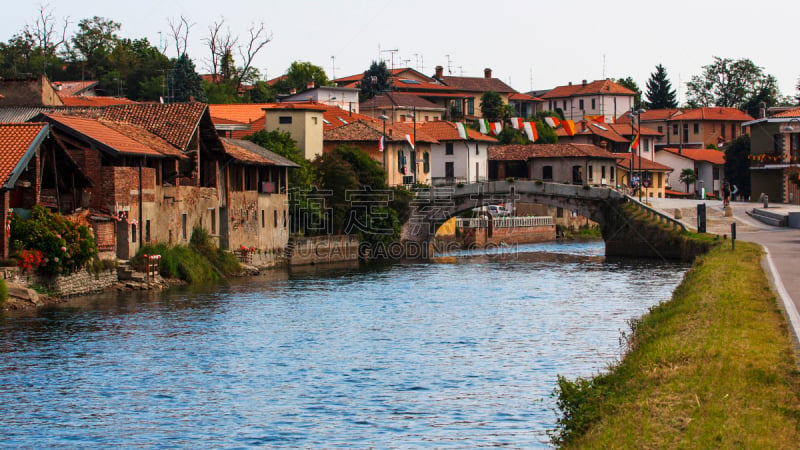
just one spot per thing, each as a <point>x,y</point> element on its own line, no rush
<point>708,165</point>
<point>613,137</point>
<point>633,173</point>
<point>456,159</point>
<point>694,128</point>
<point>600,100</point>
<point>560,163</point>
<point>343,98</point>
<point>524,105</point>
<point>473,89</point>
<point>775,156</point>
<point>402,107</point>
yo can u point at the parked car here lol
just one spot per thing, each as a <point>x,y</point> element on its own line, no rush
<point>498,210</point>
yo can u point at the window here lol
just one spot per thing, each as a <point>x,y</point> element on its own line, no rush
<point>133,233</point>
<point>686,132</point>
<point>794,142</point>
<point>275,218</point>
<point>477,149</point>
<point>426,118</point>
<point>314,119</point>
<point>401,162</point>
<point>183,226</point>
<point>147,230</point>
<point>602,171</point>
<point>263,219</point>
<point>591,172</point>
<point>426,162</point>
<point>577,175</point>
<point>551,105</point>
<point>403,118</point>
<point>448,148</point>
<point>611,172</point>
<point>674,129</point>
<point>580,104</point>
<point>696,128</point>
<point>213,221</point>
<point>564,105</point>
<point>285,120</point>
<point>722,131</point>
<point>661,129</point>
<point>559,212</point>
<point>449,169</point>
<point>471,106</point>
<point>285,222</point>
<point>594,104</point>
<point>547,172</point>
<point>733,131</point>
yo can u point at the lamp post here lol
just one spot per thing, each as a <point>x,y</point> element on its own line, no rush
<point>634,115</point>
<point>413,116</point>
<point>385,148</point>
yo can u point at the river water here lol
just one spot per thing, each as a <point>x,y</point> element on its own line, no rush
<point>459,353</point>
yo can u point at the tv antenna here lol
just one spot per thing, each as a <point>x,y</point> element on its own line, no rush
<point>449,70</point>
<point>333,67</point>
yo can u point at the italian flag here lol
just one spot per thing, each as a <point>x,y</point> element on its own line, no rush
<point>530,130</point>
<point>634,143</point>
<point>552,121</point>
<point>496,128</point>
<point>410,140</point>
<point>484,126</point>
<point>381,143</point>
<point>462,130</point>
<point>569,127</point>
<point>517,123</point>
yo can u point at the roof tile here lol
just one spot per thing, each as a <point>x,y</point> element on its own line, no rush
<point>525,152</point>
<point>15,140</point>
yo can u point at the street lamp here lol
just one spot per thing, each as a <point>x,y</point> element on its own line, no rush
<point>413,116</point>
<point>634,115</point>
<point>385,150</point>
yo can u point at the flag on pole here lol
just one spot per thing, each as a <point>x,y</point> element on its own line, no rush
<point>410,140</point>
<point>552,121</point>
<point>496,128</point>
<point>484,126</point>
<point>530,130</point>
<point>600,118</point>
<point>462,130</point>
<point>634,143</point>
<point>381,143</point>
<point>569,127</point>
<point>517,123</point>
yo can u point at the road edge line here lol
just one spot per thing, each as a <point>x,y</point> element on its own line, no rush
<point>788,304</point>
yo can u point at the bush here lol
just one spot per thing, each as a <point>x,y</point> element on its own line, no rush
<point>3,291</point>
<point>65,246</point>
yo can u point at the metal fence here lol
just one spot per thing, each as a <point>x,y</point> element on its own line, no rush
<point>504,222</point>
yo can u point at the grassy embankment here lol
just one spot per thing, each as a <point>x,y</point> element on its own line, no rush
<point>712,368</point>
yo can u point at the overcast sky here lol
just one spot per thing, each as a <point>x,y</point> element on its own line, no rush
<point>528,44</point>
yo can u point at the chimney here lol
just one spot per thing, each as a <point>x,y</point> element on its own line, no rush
<point>570,83</point>
<point>292,91</point>
<point>584,82</point>
<point>310,85</point>
<point>762,110</point>
<point>439,71</point>
<point>487,73</point>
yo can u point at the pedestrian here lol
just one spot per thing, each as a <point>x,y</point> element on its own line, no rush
<point>734,191</point>
<point>726,194</point>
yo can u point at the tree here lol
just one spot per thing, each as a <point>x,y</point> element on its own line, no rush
<point>136,70</point>
<point>546,134</point>
<point>732,83</point>
<point>92,44</point>
<point>630,84</point>
<point>377,79</point>
<point>492,106</point>
<point>737,165</point>
<point>660,94</point>
<point>186,83</point>
<point>688,176</point>
<point>509,135</point>
<point>300,74</point>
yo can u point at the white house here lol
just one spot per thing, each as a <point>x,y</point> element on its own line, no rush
<point>598,98</point>
<point>454,159</point>
<point>708,164</point>
<point>344,98</point>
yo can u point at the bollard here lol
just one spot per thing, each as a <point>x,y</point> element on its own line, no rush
<point>733,236</point>
<point>766,201</point>
<point>701,217</point>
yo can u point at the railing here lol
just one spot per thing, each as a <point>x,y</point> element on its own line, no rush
<point>504,222</point>
<point>657,215</point>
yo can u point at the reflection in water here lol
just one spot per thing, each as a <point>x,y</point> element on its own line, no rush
<point>458,353</point>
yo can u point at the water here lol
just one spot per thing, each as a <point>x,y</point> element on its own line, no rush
<point>459,353</point>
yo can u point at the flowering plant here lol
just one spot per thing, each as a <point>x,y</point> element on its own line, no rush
<point>30,259</point>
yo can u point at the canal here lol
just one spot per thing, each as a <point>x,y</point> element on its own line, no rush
<point>460,353</point>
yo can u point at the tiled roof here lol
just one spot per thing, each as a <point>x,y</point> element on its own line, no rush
<point>787,114</point>
<point>144,137</point>
<point>253,148</point>
<point>113,139</point>
<point>17,114</point>
<point>604,87</point>
<point>708,155</point>
<point>17,145</point>
<point>624,160</point>
<point>241,154</point>
<point>238,112</point>
<point>407,84</point>
<point>442,130</point>
<point>93,100</point>
<point>715,113</point>
<point>525,152</point>
<point>517,96</point>
<point>478,84</point>
<point>173,122</point>
<point>71,88</point>
<point>398,99</point>
<point>365,131</point>
<point>625,129</point>
<point>394,72</point>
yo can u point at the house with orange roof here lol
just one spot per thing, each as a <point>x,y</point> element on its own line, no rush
<point>655,119</point>
<point>473,88</point>
<point>455,159</point>
<point>614,137</point>
<point>339,97</point>
<point>524,105</point>
<point>599,97</point>
<point>156,171</point>
<point>29,91</point>
<point>561,163</point>
<point>391,145</point>
<point>775,156</point>
<point>402,107</point>
<point>708,165</point>
<point>75,88</point>
<point>634,173</point>
<point>93,101</point>
<point>704,127</point>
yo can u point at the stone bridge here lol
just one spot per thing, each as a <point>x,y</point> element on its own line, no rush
<point>624,234</point>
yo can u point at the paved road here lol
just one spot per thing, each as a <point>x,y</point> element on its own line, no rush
<point>782,244</point>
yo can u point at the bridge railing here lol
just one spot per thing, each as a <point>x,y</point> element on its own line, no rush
<point>504,222</point>
<point>657,215</point>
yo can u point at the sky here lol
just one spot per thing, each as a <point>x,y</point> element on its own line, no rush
<point>530,45</point>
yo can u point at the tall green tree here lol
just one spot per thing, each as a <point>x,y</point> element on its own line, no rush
<point>660,94</point>
<point>92,44</point>
<point>186,83</point>
<point>377,79</point>
<point>687,177</point>
<point>137,70</point>
<point>637,93</point>
<point>300,74</point>
<point>492,106</point>
<point>732,83</point>
<point>737,166</point>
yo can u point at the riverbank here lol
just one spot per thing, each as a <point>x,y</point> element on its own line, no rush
<point>714,367</point>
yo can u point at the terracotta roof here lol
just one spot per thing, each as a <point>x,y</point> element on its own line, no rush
<point>708,155</point>
<point>712,113</point>
<point>16,114</point>
<point>238,112</point>
<point>241,154</point>
<point>442,130</point>
<point>517,96</point>
<point>94,101</point>
<point>790,113</point>
<point>407,84</point>
<point>365,131</point>
<point>477,84</point>
<point>173,122</point>
<point>71,88</point>
<point>398,99</point>
<point>254,149</point>
<point>624,160</point>
<point>394,72</point>
<point>604,87</point>
<point>144,137</point>
<point>649,115</point>
<point>18,142</point>
<point>108,138</point>
<point>625,129</point>
<point>526,152</point>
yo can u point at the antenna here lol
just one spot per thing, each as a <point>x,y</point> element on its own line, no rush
<point>604,66</point>
<point>461,69</point>
<point>333,67</point>
<point>392,51</point>
<point>449,70</point>
<point>405,62</point>
<point>421,64</point>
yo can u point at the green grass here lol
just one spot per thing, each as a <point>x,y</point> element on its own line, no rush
<point>712,368</point>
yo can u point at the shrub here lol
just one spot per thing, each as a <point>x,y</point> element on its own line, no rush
<point>65,246</point>
<point>3,291</point>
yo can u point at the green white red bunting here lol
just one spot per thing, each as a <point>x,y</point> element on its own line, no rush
<point>552,121</point>
<point>483,125</point>
<point>410,140</point>
<point>517,123</point>
<point>462,130</point>
<point>496,128</point>
<point>530,131</point>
